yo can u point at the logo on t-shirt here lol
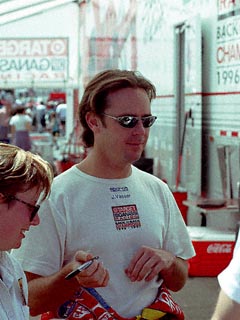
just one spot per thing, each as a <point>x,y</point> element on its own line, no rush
<point>119,193</point>
<point>126,217</point>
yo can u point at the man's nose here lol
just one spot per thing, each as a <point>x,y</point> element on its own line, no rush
<point>139,128</point>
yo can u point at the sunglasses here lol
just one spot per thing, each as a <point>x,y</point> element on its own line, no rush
<point>34,209</point>
<point>131,121</point>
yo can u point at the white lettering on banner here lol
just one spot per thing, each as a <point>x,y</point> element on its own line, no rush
<point>219,248</point>
<point>165,297</point>
<point>34,59</point>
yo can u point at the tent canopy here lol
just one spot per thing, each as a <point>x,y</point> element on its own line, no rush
<point>13,10</point>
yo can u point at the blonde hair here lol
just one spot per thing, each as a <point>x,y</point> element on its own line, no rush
<point>22,170</point>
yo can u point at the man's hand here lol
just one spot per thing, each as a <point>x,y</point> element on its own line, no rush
<point>94,276</point>
<point>148,263</point>
<point>48,293</point>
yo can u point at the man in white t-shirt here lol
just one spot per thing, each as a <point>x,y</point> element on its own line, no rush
<point>40,116</point>
<point>228,304</point>
<point>109,208</point>
<point>61,112</point>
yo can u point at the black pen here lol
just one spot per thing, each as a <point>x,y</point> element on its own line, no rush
<point>80,268</point>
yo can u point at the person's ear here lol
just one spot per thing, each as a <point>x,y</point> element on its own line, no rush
<point>93,121</point>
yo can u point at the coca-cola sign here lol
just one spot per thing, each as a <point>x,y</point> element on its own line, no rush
<point>220,248</point>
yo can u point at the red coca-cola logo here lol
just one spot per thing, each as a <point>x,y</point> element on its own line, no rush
<point>219,248</point>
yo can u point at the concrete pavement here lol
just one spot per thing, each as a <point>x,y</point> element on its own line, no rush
<point>198,297</point>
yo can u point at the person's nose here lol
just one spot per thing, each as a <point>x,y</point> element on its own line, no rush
<point>35,221</point>
<point>139,128</point>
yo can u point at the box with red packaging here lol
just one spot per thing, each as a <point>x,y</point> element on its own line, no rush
<point>214,250</point>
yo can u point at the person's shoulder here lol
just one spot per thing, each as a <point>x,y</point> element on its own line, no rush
<point>67,176</point>
<point>13,118</point>
<point>12,263</point>
<point>149,177</point>
<point>61,106</point>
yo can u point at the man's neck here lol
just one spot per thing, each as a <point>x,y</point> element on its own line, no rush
<point>97,168</point>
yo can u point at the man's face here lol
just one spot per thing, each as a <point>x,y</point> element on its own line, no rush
<point>119,145</point>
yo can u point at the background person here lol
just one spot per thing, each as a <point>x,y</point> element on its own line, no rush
<point>53,127</point>
<point>21,125</point>
<point>108,207</point>
<point>61,112</point>
<point>23,176</point>
<point>40,111</point>
<point>5,112</point>
<point>228,304</point>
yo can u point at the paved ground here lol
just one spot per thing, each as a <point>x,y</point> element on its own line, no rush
<point>198,297</point>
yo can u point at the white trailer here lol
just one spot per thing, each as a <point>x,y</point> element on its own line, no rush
<point>191,52</point>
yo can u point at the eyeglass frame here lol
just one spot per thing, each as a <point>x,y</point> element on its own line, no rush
<point>118,119</point>
<point>34,207</point>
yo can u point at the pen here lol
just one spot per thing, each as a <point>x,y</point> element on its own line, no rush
<point>80,268</point>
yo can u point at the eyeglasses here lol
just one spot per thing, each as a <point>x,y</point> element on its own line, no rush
<point>31,206</point>
<point>131,121</point>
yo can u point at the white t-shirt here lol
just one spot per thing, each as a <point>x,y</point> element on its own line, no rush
<point>20,121</point>
<point>4,117</point>
<point>111,218</point>
<point>13,289</point>
<point>229,278</point>
<point>61,110</point>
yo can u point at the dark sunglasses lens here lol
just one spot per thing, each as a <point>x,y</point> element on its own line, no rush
<point>128,121</point>
<point>148,121</point>
<point>34,212</point>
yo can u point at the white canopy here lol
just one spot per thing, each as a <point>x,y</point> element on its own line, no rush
<point>13,10</point>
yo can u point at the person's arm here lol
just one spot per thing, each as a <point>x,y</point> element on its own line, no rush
<point>12,130</point>
<point>149,263</point>
<point>226,308</point>
<point>28,126</point>
<point>176,275</point>
<point>48,293</point>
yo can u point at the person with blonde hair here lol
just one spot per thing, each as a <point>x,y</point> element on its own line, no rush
<point>25,181</point>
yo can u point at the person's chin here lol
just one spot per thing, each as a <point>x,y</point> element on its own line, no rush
<point>137,156</point>
<point>18,244</point>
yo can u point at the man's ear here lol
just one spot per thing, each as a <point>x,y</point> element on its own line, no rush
<point>93,121</point>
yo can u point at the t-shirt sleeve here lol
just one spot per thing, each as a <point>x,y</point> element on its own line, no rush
<point>229,278</point>
<point>177,239</point>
